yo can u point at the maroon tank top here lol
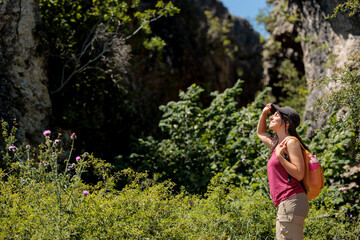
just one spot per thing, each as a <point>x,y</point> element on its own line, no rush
<point>280,187</point>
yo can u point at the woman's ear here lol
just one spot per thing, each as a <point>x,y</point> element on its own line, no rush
<point>287,125</point>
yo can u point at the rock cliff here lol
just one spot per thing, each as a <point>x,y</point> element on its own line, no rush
<point>23,92</point>
<point>316,45</point>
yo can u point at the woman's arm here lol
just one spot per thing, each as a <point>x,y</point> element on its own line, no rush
<point>262,133</point>
<point>296,166</point>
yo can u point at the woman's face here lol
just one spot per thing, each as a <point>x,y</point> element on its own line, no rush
<point>275,121</point>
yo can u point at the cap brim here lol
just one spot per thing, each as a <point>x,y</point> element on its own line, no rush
<point>275,108</point>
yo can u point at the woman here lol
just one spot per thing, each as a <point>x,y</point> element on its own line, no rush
<point>286,168</point>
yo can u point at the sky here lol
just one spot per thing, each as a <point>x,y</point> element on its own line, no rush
<point>248,9</point>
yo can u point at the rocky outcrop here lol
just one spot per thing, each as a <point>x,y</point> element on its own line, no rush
<point>24,94</point>
<point>322,45</point>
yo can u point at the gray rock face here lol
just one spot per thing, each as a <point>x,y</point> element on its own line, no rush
<point>334,41</point>
<point>24,94</point>
<point>325,44</point>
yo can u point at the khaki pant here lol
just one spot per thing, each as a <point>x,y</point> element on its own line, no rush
<point>291,216</point>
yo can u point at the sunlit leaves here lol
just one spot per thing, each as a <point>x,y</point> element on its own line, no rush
<point>343,93</point>
<point>154,43</point>
<point>205,140</point>
<point>351,7</point>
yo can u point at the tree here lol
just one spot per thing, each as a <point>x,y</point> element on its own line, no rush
<point>87,45</point>
<point>79,33</point>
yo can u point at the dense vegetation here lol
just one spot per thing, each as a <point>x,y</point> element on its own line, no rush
<point>43,195</point>
<point>204,179</point>
<point>89,45</point>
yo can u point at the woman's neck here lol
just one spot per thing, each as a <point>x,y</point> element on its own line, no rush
<point>282,135</point>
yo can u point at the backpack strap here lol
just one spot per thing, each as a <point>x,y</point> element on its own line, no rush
<point>283,143</point>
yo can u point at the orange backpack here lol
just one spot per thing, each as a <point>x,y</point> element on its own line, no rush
<point>313,180</point>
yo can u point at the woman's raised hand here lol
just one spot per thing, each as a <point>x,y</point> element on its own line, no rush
<point>267,108</point>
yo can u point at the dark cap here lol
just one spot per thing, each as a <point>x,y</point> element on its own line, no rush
<point>288,111</point>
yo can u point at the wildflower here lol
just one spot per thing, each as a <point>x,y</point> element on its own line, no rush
<point>341,189</point>
<point>57,140</point>
<point>46,132</point>
<point>53,153</point>
<point>73,136</point>
<point>70,167</point>
<point>78,158</point>
<point>12,148</point>
<point>43,162</point>
<point>27,146</point>
<point>85,193</point>
<point>243,160</point>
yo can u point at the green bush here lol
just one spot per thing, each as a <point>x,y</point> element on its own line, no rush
<point>41,197</point>
<point>338,142</point>
<point>202,141</point>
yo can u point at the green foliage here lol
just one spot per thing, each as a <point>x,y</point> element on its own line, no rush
<point>334,147</point>
<point>269,15</point>
<point>154,43</point>
<point>218,31</point>
<point>55,206</point>
<point>325,221</point>
<point>201,142</point>
<point>343,129</point>
<point>67,23</point>
<point>204,141</point>
<point>87,44</point>
<point>352,7</point>
<point>80,34</point>
<point>266,18</point>
<point>41,197</point>
<point>293,86</point>
<point>40,188</point>
<point>344,94</point>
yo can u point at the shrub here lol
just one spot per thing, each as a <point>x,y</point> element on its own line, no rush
<point>201,141</point>
<point>42,198</point>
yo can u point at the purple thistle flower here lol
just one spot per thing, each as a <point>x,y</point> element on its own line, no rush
<point>46,132</point>
<point>70,167</point>
<point>73,136</point>
<point>78,158</point>
<point>12,148</point>
<point>243,160</point>
<point>85,193</point>
<point>57,140</point>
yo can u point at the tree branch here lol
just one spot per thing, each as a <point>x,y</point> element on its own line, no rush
<point>99,32</point>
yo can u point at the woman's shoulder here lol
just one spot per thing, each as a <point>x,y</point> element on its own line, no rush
<point>293,142</point>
